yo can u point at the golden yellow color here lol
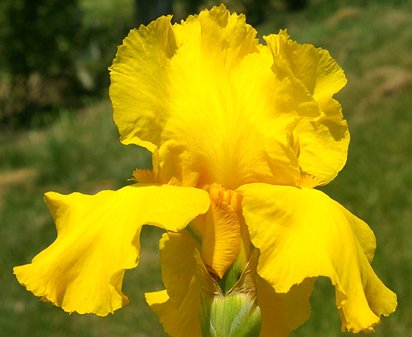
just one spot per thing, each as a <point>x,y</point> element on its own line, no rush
<point>98,238</point>
<point>240,134</point>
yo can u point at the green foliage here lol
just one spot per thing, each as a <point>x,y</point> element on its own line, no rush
<point>54,53</point>
<point>105,24</point>
<point>37,50</point>
<point>38,36</point>
<point>82,154</point>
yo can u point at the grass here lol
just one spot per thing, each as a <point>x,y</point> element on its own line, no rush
<point>80,152</point>
<point>76,153</point>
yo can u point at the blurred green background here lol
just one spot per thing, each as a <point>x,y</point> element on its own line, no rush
<point>56,133</point>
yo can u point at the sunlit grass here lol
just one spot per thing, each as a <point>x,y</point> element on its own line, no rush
<point>81,152</point>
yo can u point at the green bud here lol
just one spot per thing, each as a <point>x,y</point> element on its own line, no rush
<point>234,313</point>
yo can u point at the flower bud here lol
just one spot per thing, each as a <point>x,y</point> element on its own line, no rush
<point>231,314</point>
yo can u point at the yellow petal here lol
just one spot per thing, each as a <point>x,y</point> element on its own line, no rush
<point>313,67</point>
<point>283,313</point>
<point>225,38</point>
<point>322,138</point>
<point>220,230</point>
<point>214,105</point>
<point>98,238</point>
<point>223,127</point>
<point>200,94</point>
<point>322,147</point>
<point>178,308</point>
<point>140,82</point>
<point>303,233</point>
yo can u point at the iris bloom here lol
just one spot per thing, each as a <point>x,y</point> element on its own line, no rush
<point>240,133</point>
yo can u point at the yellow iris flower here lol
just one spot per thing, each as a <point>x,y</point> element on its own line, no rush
<point>240,134</point>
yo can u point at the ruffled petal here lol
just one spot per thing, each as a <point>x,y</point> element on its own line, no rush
<point>313,67</point>
<point>220,230</point>
<point>139,88</point>
<point>283,313</point>
<point>322,137</point>
<point>200,94</point>
<point>178,308</point>
<point>302,233</point>
<point>98,238</point>
<point>322,147</point>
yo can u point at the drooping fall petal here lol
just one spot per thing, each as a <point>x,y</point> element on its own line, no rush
<point>302,233</point>
<point>98,238</point>
<point>283,312</point>
<point>178,307</point>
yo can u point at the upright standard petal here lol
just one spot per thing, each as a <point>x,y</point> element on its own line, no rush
<point>322,137</point>
<point>98,238</point>
<point>313,67</point>
<point>140,83</point>
<point>302,233</point>
<point>199,94</point>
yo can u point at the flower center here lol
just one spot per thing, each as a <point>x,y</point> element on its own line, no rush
<point>224,238</point>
